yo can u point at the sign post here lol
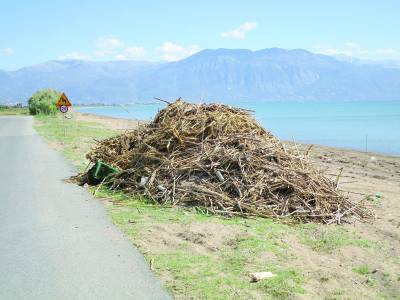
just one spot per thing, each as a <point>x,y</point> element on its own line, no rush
<point>63,105</point>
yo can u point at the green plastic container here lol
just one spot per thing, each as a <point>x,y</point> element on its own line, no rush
<point>100,171</point>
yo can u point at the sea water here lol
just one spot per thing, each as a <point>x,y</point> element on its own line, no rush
<point>372,126</point>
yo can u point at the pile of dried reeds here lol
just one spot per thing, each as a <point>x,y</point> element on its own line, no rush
<point>218,158</point>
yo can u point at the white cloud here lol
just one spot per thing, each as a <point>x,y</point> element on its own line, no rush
<point>108,48</point>
<point>111,43</point>
<point>8,51</point>
<point>107,45</point>
<point>328,50</point>
<point>349,49</point>
<point>172,52</point>
<point>387,51</point>
<point>135,52</point>
<point>120,57</point>
<point>240,32</point>
<point>356,50</point>
<point>352,45</point>
<point>75,55</point>
<point>113,48</point>
<point>131,53</point>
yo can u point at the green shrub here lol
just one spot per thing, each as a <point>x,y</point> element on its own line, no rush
<point>43,102</point>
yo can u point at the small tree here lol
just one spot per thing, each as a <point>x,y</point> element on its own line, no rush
<point>43,102</point>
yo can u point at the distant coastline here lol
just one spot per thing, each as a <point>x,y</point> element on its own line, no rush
<point>364,126</point>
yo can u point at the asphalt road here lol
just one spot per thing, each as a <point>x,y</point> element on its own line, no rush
<point>55,240</point>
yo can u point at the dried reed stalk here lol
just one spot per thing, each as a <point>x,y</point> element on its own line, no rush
<point>220,159</point>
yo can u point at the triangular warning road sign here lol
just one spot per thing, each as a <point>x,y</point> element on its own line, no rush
<point>63,101</point>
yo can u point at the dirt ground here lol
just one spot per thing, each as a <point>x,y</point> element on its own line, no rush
<point>330,273</point>
<point>109,122</point>
<point>371,174</point>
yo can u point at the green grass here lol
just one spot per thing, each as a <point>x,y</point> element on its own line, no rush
<point>221,274</point>
<point>362,270</point>
<point>336,294</point>
<point>206,277</point>
<point>11,111</point>
<point>74,138</point>
<point>329,238</point>
<point>188,268</point>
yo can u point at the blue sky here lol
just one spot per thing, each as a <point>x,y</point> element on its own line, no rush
<point>36,31</point>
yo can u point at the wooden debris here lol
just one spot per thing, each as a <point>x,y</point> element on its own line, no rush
<point>219,158</point>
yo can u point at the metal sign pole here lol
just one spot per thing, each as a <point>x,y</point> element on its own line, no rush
<point>63,105</point>
<point>65,130</point>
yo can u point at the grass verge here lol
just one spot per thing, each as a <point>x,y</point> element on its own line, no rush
<point>13,111</point>
<point>72,137</point>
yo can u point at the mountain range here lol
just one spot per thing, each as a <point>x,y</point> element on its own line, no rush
<point>215,75</point>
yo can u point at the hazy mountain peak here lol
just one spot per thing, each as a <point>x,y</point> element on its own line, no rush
<point>217,74</point>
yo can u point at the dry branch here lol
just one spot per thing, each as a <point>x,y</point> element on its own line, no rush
<point>219,158</point>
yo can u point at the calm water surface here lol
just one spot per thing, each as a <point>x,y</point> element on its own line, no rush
<point>374,125</point>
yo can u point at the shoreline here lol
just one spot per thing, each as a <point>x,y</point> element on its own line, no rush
<point>132,123</point>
